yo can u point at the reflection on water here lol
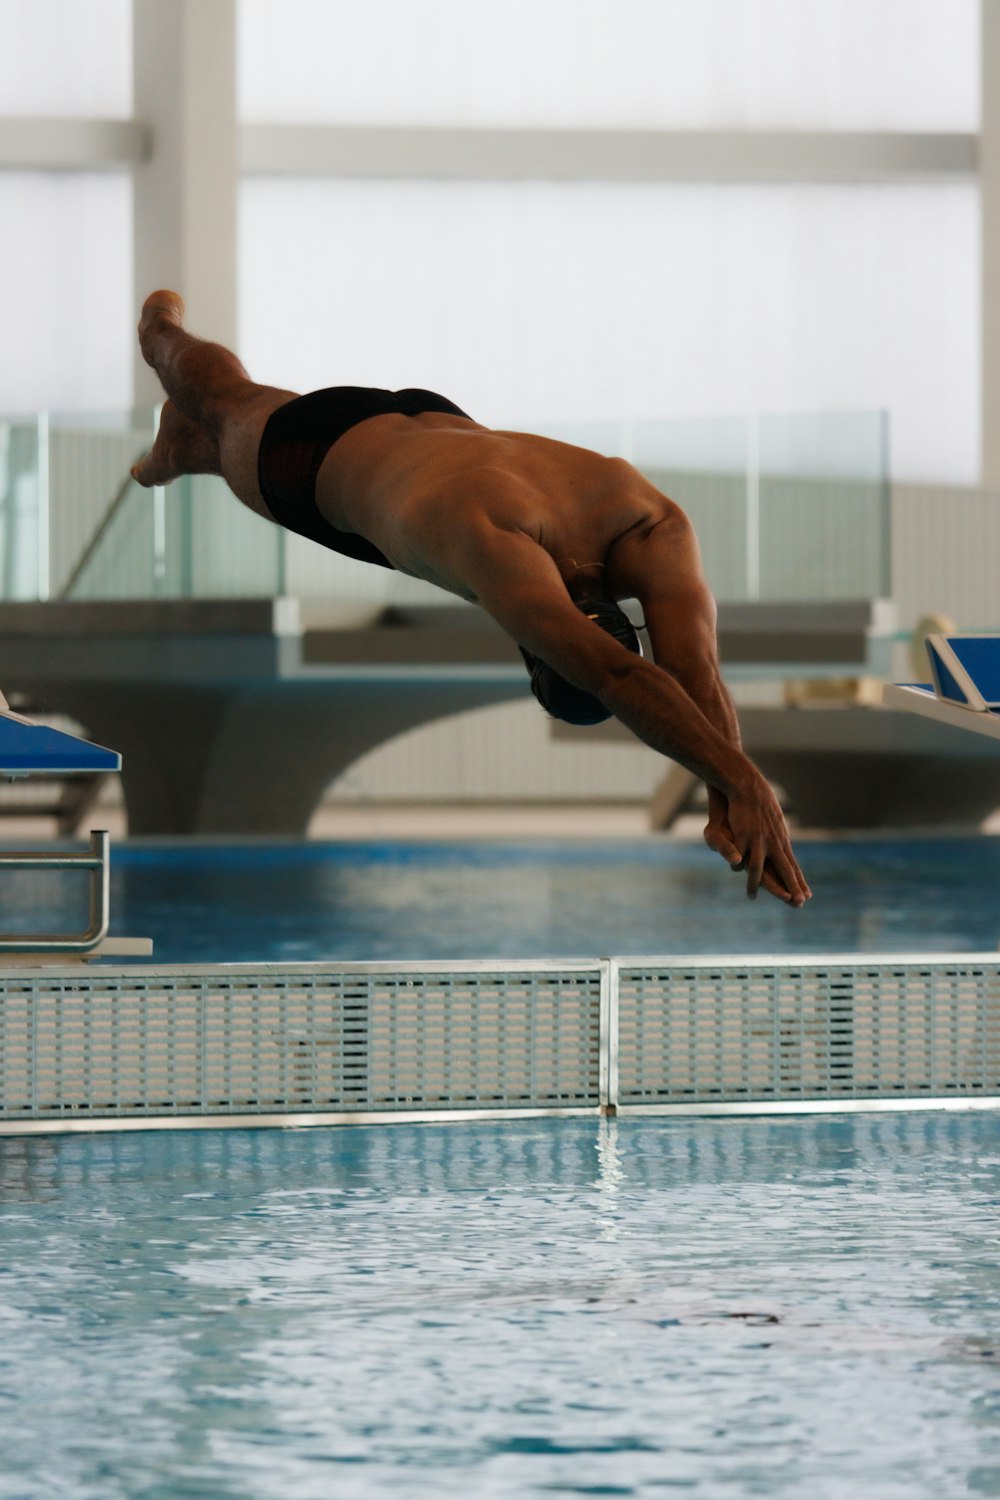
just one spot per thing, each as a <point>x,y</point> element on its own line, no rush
<point>356,901</point>
<point>739,1307</point>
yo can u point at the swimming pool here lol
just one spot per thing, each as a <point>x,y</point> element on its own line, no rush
<point>521,1310</point>
<point>524,1308</point>
<point>289,1037</point>
<point>543,899</point>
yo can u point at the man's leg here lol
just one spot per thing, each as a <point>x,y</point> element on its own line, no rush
<point>215,415</point>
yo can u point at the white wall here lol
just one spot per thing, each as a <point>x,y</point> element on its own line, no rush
<point>65,238</point>
<point>945,546</point>
<point>806,64</point>
<point>532,303</point>
<point>536,303</point>
<point>501,754</point>
<point>65,291</point>
<point>66,57</point>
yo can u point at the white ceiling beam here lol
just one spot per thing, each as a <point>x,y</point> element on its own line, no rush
<point>512,155</point>
<point>604,155</point>
<point>42,144</point>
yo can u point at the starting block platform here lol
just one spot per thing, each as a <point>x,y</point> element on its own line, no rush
<point>920,698</point>
<point>965,692</point>
<point>30,749</point>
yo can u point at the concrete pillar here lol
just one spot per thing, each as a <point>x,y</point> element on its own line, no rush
<point>989,176</point>
<point>185,195</point>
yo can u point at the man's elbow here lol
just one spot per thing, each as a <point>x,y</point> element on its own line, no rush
<point>691,651</point>
<point>621,680</point>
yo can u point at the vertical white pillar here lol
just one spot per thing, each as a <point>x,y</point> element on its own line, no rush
<point>989,178</point>
<point>753,508</point>
<point>43,544</point>
<point>185,195</point>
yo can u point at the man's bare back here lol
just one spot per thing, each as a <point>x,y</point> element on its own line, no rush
<point>543,535</point>
<point>416,486</point>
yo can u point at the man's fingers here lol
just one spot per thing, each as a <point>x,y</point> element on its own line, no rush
<point>720,844</point>
<point>787,870</point>
<point>755,870</point>
<point>788,885</point>
<point>776,887</point>
<point>767,862</point>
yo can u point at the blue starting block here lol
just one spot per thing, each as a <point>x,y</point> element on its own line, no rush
<point>29,749</point>
<point>966,670</point>
<point>966,687</point>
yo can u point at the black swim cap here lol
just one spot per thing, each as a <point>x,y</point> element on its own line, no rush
<point>560,698</point>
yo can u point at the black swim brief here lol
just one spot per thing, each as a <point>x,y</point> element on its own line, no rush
<point>298,437</point>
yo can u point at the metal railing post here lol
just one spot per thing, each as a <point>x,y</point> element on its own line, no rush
<point>607,1067</point>
<point>96,865</point>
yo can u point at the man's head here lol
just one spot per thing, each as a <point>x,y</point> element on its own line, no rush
<point>560,698</point>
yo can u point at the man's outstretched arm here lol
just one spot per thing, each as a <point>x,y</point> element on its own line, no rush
<point>665,571</point>
<point>517,582</point>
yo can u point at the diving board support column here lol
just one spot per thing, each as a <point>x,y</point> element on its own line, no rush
<point>184,224</point>
<point>989,191</point>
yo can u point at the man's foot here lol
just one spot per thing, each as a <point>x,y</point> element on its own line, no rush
<point>181,447</point>
<point>160,309</point>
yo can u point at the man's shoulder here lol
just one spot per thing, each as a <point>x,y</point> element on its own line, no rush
<point>655,553</point>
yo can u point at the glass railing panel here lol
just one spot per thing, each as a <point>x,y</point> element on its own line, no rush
<point>823,502</point>
<point>22,479</point>
<point>73,524</point>
<point>611,438</point>
<point>786,507</point>
<point>702,464</point>
<point>690,445</point>
<point>121,565</point>
<point>99,529</point>
<point>220,549</point>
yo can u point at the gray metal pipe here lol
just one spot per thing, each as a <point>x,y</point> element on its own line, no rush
<point>96,864</point>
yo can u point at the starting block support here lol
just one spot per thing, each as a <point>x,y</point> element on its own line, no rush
<point>27,749</point>
<point>965,692</point>
<point>96,865</point>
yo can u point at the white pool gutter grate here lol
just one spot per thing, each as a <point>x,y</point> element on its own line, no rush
<point>129,1047</point>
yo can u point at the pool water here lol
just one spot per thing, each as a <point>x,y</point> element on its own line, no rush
<point>721,1308</point>
<point>546,899</point>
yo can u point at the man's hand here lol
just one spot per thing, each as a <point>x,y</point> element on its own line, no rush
<point>749,832</point>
